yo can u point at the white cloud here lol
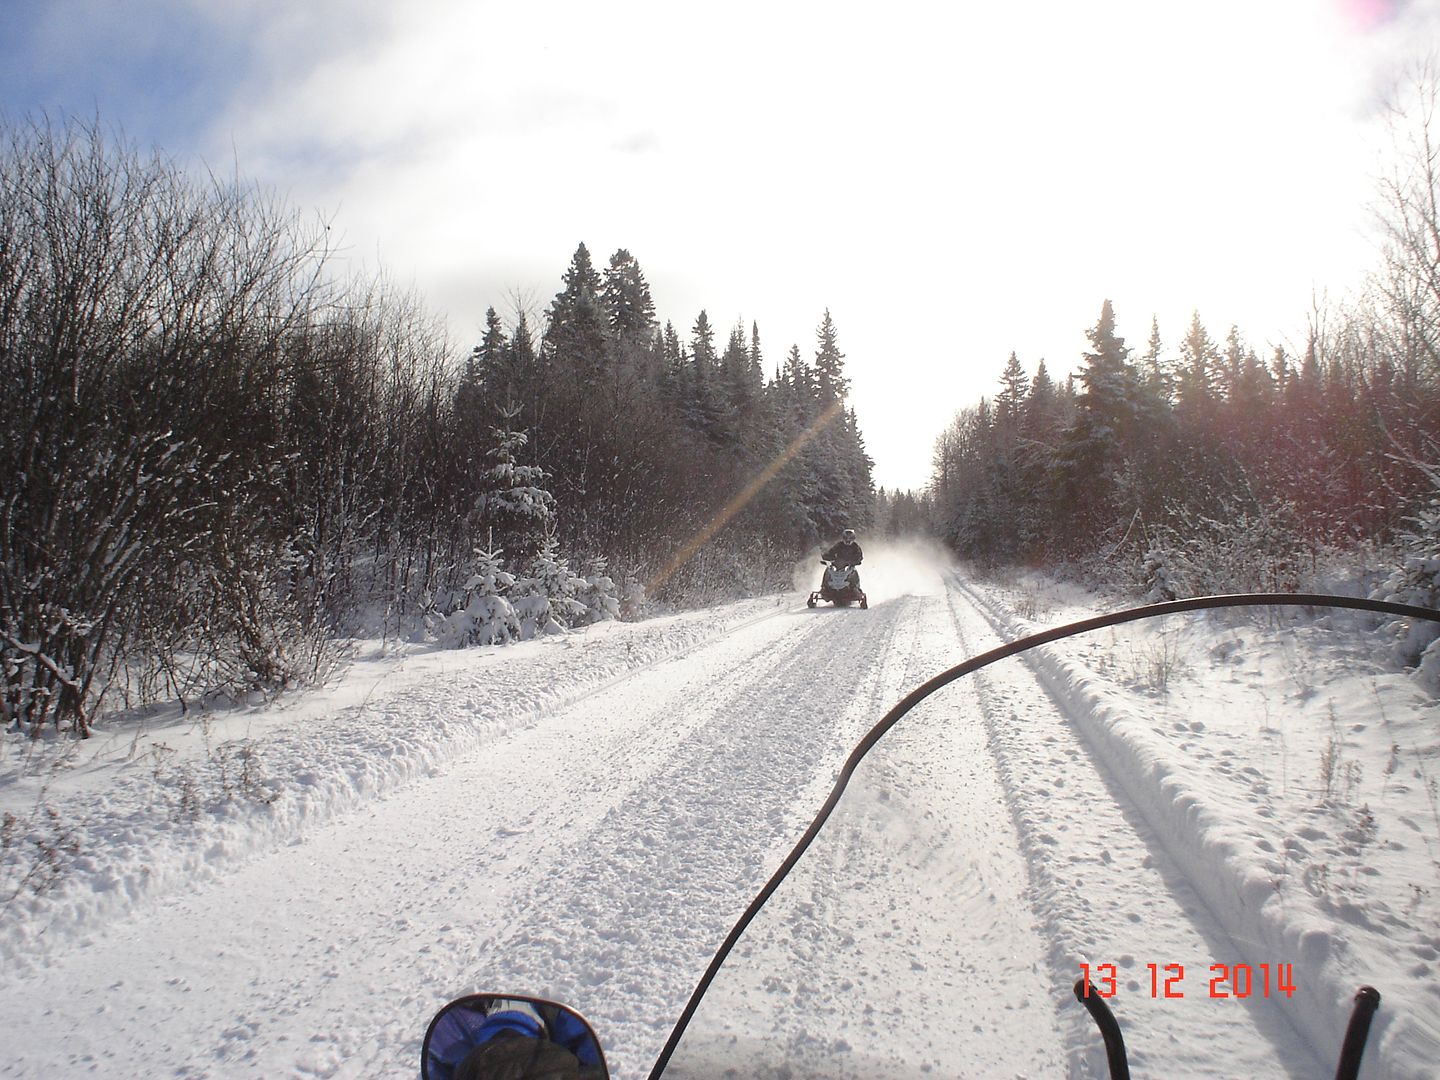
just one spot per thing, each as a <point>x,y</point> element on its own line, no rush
<point>953,183</point>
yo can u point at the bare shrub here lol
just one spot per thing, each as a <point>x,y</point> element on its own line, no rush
<point>33,857</point>
<point>141,322</point>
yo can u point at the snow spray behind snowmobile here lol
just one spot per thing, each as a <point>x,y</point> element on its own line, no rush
<point>840,585</point>
<point>721,1031</point>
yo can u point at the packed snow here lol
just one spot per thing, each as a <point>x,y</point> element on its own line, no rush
<point>293,887</point>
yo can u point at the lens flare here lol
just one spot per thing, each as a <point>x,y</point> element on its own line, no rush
<point>748,492</point>
<point>1368,14</point>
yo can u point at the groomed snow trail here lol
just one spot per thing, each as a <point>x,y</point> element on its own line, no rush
<point>598,851</point>
<point>903,944</point>
<point>597,857</point>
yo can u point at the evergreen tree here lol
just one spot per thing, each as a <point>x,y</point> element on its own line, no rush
<point>1232,368</point>
<point>1195,381</point>
<point>497,381</point>
<point>546,598</point>
<point>1104,427</point>
<point>514,506</point>
<point>478,613</point>
<point>1014,387</point>
<point>699,399</point>
<point>740,384</point>
<point>830,379</point>
<point>625,299</point>
<point>575,337</point>
<point>1154,378</point>
<point>800,380</point>
<point>1041,414</point>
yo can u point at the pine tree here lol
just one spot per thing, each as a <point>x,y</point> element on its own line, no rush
<point>495,378</point>
<point>514,505</point>
<point>1195,381</point>
<point>1040,404</point>
<point>673,375</point>
<point>479,613</point>
<point>1014,386</point>
<point>698,403</point>
<point>625,299</point>
<point>546,597</point>
<point>1154,379</point>
<point>524,377</point>
<point>740,384</point>
<point>576,335</point>
<point>830,380</point>
<point>1104,428</point>
<point>800,381</point>
<point>1108,400</point>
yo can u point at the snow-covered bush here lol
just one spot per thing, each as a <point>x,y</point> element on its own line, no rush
<point>1417,581</point>
<point>598,592</point>
<point>634,599</point>
<point>725,568</point>
<point>1254,548</point>
<point>478,612</point>
<point>1158,577</point>
<point>546,598</point>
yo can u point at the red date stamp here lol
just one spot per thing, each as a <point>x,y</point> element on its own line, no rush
<point>1220,981</point>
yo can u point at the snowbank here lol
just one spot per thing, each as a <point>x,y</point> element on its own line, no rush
<point>1335,942</point>
<point>99,828</point>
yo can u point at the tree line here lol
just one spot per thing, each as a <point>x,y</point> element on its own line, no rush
<point>1206,466</point>
<point>652,439</point>
<point>216,452</point>
<point>1170,469</point>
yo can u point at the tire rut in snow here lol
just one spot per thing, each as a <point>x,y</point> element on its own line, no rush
<point>867,960</point>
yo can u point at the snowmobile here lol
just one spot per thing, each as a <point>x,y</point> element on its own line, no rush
<point>840,586</point>
<point>722,1030</point>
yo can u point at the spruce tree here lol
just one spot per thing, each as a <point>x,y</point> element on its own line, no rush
<point>575,336</point>
<point>699,398</point>
<point>1041,405</point>
<point>1103,429</point>
<point>496,380</point>
<point>1154,379</point>
<point>1014,385</point>
<point>800,380</point>
<point>740,384</point>
<point>515,507</point>
<point>830,377</point>
<point>1195,381</point>
<point>625,299</point>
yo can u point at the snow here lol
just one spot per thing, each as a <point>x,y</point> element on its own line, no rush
<point>293,888</point>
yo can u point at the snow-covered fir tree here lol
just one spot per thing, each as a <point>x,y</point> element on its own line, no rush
<point>514,503</point>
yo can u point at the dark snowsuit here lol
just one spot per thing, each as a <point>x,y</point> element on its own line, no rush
<point>846,553</point>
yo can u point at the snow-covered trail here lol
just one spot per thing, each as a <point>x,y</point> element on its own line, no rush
<point>903,944</point>
<point>586,818</point>
<point>598,857</point>
<point>980,855</point>
<point>1111,894</point>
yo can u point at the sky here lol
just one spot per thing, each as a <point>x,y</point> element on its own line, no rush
<point>953,183</point>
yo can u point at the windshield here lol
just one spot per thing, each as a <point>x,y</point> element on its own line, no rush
<point>1226,820</point>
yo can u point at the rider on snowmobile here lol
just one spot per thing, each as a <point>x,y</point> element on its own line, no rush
<point>847,552</point>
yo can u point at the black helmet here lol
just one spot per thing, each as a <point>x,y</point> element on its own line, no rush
<point>848,534</point>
